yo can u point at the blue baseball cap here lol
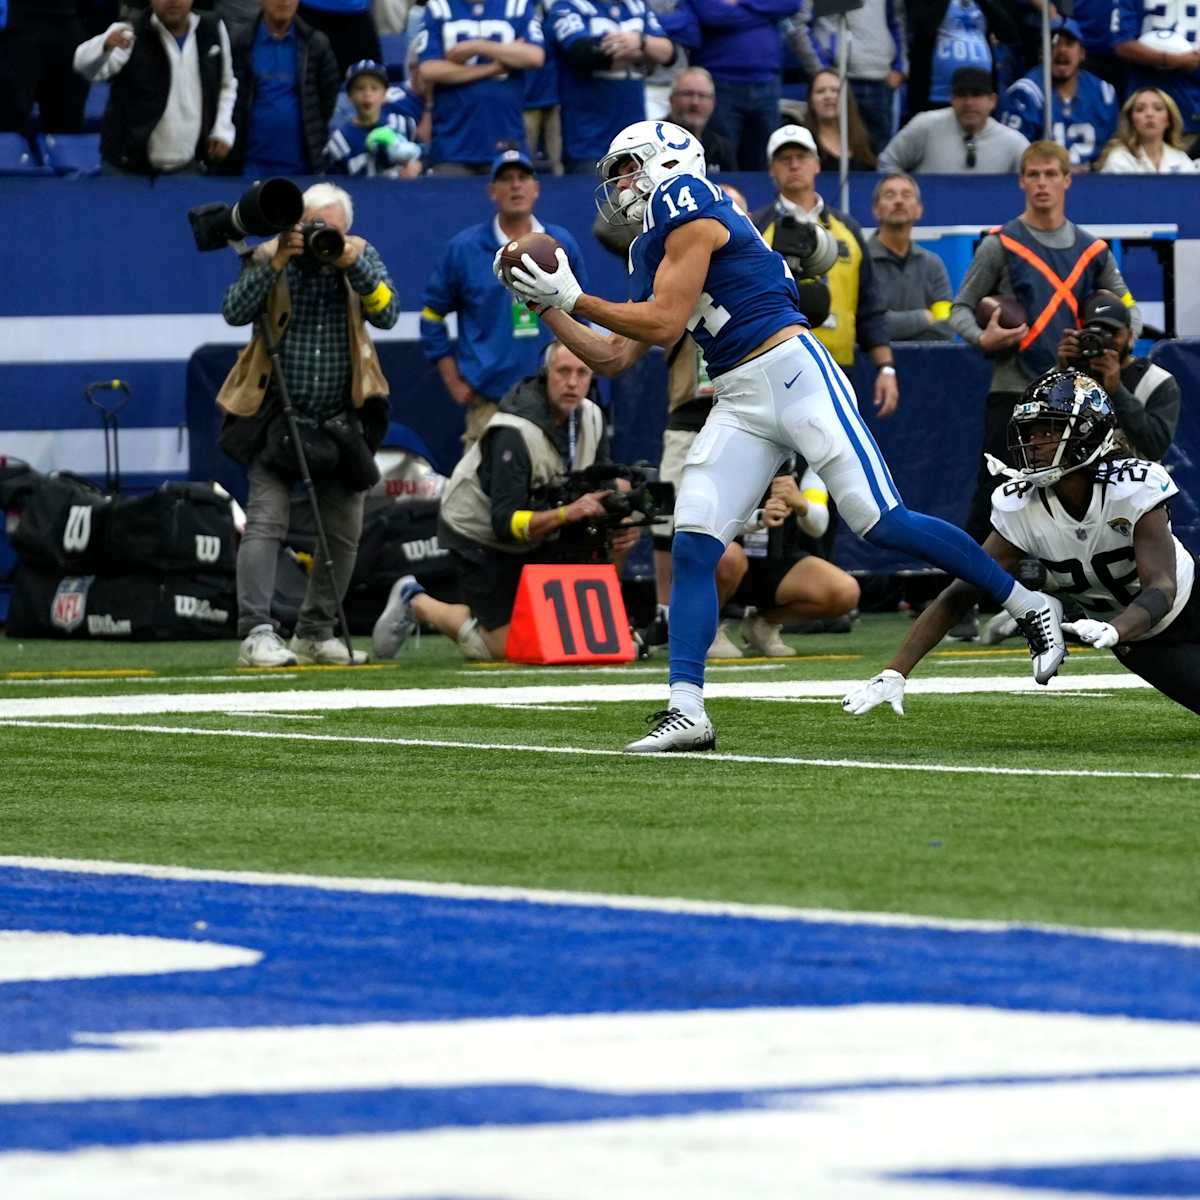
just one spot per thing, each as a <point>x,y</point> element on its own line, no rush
<point>367,66</point>
<point>511,158</point>
<point>1067,25</point>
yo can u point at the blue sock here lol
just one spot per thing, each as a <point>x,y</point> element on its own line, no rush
<point>694,558</point>
<point>944,545</point>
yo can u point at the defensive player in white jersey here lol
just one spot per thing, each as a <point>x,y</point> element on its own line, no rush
<point>1100,524</point>
<point>700,265</point>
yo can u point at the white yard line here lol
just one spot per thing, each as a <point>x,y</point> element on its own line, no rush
<point>349,699</point>
<point>665,904</point>
<point>591,751</point>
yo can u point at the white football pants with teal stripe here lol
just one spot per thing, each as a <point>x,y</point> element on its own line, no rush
<point>793,398</point>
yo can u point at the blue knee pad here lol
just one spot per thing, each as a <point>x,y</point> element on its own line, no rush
<point>694,612</point>
<point>944,545</point>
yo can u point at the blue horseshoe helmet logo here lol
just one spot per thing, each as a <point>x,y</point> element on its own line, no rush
<point>687,141</point>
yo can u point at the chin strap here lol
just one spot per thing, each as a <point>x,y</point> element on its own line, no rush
<point>997,466</point>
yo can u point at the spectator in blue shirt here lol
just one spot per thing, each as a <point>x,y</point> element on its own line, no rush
<point>475,58</point>
<point>288,83</point>
<point>1084,108</point>
<point>350,27</point>
<point>604,54</point>
<point>499,339</point>
<point>381,138</point>
<point>742,48</point>
<point>1160,42</point>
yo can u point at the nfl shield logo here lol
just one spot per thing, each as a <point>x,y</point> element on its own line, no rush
<point>70,601</point>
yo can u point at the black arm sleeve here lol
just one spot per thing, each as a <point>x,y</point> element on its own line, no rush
<point>504,475</point>
<point>1151,428</point>
<point>584,54</point>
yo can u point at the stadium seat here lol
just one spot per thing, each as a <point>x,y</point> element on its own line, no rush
<point>72,154</point>
<point>18,158</point>
<point>93,111</point>
<point>395,50</point>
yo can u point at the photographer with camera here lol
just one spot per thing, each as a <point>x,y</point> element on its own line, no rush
<point>314,285</point>
<point>498,510</point>
<point>1144,396</point>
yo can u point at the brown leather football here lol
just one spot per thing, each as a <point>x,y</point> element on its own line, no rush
<point>1012,315</point>
<point>539,246</point>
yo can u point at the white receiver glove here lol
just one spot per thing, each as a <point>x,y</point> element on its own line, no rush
<point>887,687</point>
<point>1099,634</point>
<point>558,289</point>
<point>497,269</point>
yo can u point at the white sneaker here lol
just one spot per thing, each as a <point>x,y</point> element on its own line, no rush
<point>1001,627</point>
<point>263,647</point>
<point>673,732</point>
<point>1042,626</point>
<point>396,623</point>
<point>765,638</point>
<point>329,653</point>
<point>722,646</point>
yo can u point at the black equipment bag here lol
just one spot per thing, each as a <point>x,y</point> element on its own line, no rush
<point>61,521</point>
<point>181,527</point>
<point>121,607</point>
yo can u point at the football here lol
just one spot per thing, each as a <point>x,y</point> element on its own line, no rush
<point>539,246</point>
<point>1012,315</point>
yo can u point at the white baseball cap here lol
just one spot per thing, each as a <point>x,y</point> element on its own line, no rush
<point>791,135</point>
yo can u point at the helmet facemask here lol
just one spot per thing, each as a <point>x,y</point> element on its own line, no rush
<point>622,195</point>
<point>1062,428</point>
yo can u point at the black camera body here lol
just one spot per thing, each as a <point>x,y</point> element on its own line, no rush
<point>322,243</point>
<point>587,541</point>
<point>1092,341</point>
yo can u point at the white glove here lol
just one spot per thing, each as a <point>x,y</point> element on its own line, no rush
<point>887,686</point>
<point>1099,634</point>
<point>558,289</point>
<point>497,269</point>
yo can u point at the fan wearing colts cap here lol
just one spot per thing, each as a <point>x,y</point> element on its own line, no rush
<point>1050,266</point>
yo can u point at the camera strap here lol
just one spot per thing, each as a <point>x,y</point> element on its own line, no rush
<point>572,439</point>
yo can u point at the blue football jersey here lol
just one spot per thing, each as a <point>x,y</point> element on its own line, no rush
<point>346,151</point>
<point>961,41</point>
<point>471,120</point>
<point>1084,125</point>
<point>749,293</point>
<point>597,105</point>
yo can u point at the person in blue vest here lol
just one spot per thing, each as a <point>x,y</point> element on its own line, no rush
<point>604,52</point>
<point>499,339</point>
<point>381,139</point>
<point>1050,265</point>
<point>475,59</point>
<point>1084,108</point>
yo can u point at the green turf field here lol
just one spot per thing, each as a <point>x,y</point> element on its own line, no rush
<point>333,789</point>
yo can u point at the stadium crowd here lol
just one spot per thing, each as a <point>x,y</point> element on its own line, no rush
<point>399,88</point>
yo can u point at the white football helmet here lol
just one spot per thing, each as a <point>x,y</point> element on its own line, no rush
<point>658,151</point>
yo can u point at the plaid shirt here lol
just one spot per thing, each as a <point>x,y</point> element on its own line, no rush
<point>315,350</point>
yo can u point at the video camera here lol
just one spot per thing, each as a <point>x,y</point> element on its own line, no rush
<point>645,501</point>
<point>269,207</point>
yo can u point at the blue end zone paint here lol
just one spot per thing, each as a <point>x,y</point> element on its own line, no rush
<point>1162,1177</point>
<point>414,958</point>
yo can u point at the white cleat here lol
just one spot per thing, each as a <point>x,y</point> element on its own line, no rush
<point>396,623</point>
<point>999,629</point>
<point>723,646</point>
<point>1042,627</point>
<point>263,647</point>
<point>330,653</point>
<point>675,733</point>
<point>764,638</point>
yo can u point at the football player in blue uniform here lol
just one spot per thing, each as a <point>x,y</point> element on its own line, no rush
<point>1100,525</point>
<point>700,265</point>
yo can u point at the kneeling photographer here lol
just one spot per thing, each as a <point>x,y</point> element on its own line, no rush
<point>1144,396</point>
<point>503,507</point>
<point>314,285</point>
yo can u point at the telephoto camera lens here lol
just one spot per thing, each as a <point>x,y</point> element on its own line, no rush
<point>322,242</point>
<point>1090,342</point>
